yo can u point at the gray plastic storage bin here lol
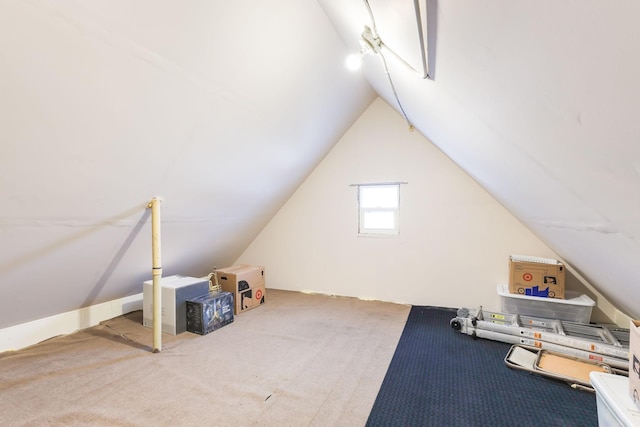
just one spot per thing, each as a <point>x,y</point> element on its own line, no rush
<point>574,308</point>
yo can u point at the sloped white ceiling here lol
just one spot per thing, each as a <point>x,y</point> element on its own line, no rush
<point>220,108</point>
<point>538,102</point>
<point>223,108</point>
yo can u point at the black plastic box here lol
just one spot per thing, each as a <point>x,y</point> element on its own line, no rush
<point>209,312</point>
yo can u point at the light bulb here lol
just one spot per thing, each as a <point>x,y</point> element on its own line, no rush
<point>354,61</point>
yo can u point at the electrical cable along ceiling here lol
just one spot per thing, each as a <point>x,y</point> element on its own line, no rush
<point>399,29</point>
<point>555,146</point>
<point>165,100</point>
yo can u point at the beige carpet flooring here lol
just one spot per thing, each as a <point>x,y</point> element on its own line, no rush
<point>298,360</point>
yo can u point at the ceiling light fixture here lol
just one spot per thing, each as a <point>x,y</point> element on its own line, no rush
<point>370,43</point>
<point>354,61</point>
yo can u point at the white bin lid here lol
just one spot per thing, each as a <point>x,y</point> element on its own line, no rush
<point>614,392</point>
<point>572,298</point>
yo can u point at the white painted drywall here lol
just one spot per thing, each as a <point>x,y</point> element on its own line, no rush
<point>29,333</point>
<point>454,242</point>
<point>538,103</point>
<point>219,108</point>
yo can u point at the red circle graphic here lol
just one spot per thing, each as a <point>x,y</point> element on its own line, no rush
<point>527,277</point>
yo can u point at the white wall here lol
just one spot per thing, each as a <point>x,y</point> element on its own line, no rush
<point>104,105</point>
<point>454,240</point>
<point>29,333</point>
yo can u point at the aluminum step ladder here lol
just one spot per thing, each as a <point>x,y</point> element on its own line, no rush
<point>598,342</point>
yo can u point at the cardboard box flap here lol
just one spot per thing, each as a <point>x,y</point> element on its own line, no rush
<point>539,260</point>
<point>246,276</point>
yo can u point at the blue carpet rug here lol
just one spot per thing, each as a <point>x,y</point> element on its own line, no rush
<point>440,377</point>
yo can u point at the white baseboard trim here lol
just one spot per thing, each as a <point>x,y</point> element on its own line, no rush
<point>26,334</point>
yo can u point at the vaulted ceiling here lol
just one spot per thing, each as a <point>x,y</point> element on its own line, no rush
<point>223,109</point>
<point>220,108</point>
<point>538,103</point>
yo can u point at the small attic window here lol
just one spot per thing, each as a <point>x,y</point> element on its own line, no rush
<point>379,209</point>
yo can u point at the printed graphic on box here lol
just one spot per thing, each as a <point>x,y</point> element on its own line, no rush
<point>536,277</point>
<point>636,374</point>
<point>247,295</point>
<point>208,313</point>
<point>246,282</point>
<point>634,362</point>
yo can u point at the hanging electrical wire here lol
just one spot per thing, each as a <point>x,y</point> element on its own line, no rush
<point>379,43</point>
<point>395,94</point>
<point>373,20</point>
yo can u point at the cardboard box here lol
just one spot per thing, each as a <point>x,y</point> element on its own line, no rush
<point>176,290</point>
<point>634,362</point>
<point>246,283</point>
<point>537,277</point>
<point>209,312</point>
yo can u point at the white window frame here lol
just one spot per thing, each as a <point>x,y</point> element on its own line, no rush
<point>394,210</point>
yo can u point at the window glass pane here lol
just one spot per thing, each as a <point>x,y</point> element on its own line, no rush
<point>379,196</point>
<point>379,220</point>
<point>379,208</point>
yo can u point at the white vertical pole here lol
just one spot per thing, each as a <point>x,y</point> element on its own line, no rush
<point>156,273</point>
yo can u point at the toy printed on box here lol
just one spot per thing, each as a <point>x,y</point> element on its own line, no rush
<point>535,291</point>
<point>214,314</point>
